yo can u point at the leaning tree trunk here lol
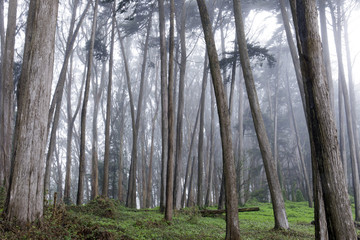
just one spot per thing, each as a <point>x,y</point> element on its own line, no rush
<point>7,93</point>
<point>348,112</point>
<point>82,162</point>
<point>25,195</point>
<point>281,221</point>
<point>232,218</point>
<point>321,126</point>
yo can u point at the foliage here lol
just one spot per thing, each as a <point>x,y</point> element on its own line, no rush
<point>100,51</point>
<point>92,222</point>
<point>299,196</point>
<point>257,54</point>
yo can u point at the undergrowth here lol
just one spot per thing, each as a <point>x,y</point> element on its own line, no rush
<point>107,219</point>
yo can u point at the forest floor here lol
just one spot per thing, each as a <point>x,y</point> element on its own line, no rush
<point>107,219</point>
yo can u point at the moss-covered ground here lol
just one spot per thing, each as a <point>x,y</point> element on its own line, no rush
<point>107,219</point>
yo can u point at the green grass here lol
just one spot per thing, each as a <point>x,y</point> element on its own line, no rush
<point>106,219</point>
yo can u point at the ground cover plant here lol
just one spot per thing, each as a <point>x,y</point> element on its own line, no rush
<point>108,219</point>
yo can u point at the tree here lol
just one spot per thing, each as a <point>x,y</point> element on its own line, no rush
<point>232,218</point>
<point>321,126</point>
<point>269,164</point>
<point>164,104</point>
<point>7,93</point>
<point>171,118</point>
<point>108,106</point>
<point>82,162</point>
<point>25,195</point>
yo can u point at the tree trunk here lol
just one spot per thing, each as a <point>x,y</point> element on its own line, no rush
<point>281,221</point>
<point>232,218</point>
<point>180,112</point>
<point>171,130</point>
<point>82,161</point>
<point>57,98</point>
<point>189,163</point>
<point>108,107</point>
<point>211,155</point>
<point>199,201</point>
<point>241,145</point>
<point>7,93</point>
<point>321,126</point>
<point>70,122</point>
<point>348,112</point>
<point>121,147</point>
<point>164,104</point>
<point>299,148</point>
<point>25,195</point>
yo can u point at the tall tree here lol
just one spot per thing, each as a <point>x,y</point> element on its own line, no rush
<point>25,195</point>
<point>82,161</point>
<point>108,106</point>
<point>180,111</point>
<point>164,104</point>
<point>281,221</point>
<point>321,126</point>
<point>171,118</point>
<point>232,218</point>
<point>7,92</point>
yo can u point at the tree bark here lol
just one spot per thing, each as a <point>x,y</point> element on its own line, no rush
<point>348,112</point>
<point>70,121</point>
<point>171,116</point>
<point>321,126</point>
<point>25,195</point>
<point>281,221</point>
<point>7,93</point>
<point>108,107</point>
<point>180,112</point>
<point>232,218</point>
<point>82,161</point>
<point>199,200</point>
<point>164,104</point>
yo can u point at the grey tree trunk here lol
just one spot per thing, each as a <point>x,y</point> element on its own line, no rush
<point>7,94</point>
<point>98,89</point>
<point>70,121</point>
<point>25,195</point>
<point>281,221</point>
<point>82,161</point>
<point>171,118</point>
<point>321,126</point>
<point>58,94</point>
<point>199,198</point>
<point>121,149</point>
<point>232,218</point>
<point>108,107</point>
<point>164,104</point>
<point>180,112</point>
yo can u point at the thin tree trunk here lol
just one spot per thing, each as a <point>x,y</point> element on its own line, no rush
<point>232,218</point>
<point>189,162</point>
<point>108,107</point>
<point>121,147</point>
<point>180,112</point>
<point>201,136</point>
<point>57,98</point>
<point>171,116</point>
<point>281,221</point>
<point>164,104</point>
<point>25,194</point>
<point>299,148</point>
<point>82,161</point>
<point>211,155</point>
<point>70,121</point>
<point>241,145</point>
